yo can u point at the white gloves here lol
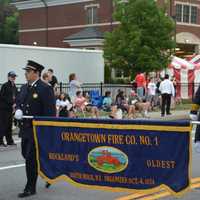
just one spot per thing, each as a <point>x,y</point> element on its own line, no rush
<point>197,147</point>
<point>193,117</point>
<point>18,114</point>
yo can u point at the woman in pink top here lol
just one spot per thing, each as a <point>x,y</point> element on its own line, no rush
<point>80,101</point>
<point>82,104</point>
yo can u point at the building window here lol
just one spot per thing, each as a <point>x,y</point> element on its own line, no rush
<point>92,17</point>
<point>186,13</point>
<point>179,13</point>
<point>193,14</point>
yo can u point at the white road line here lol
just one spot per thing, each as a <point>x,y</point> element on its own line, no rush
<point>11,166</point>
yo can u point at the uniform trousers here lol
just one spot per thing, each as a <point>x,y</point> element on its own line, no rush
<point>197,132</point>
<point>6,119</point>
<point>29,154</point>
<point>166,102</point>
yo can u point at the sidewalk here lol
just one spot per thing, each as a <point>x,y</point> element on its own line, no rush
<point>154,115</point>
<point>176,115</point>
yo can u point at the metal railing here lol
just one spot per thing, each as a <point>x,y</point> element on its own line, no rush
<point>101,87</point>
<point>188,89</point>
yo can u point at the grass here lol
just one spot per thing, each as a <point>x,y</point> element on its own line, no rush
<point>184,105</point>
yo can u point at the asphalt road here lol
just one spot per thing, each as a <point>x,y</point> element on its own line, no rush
<point>12,181</point>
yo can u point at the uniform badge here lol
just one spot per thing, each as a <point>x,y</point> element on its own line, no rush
<point>35,95</point>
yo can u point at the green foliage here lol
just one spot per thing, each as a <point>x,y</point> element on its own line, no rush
<point>107,74</point>
<point>120,81</point>
<point>11,29</point>
<point>143,40</point>
<point>8,23</point>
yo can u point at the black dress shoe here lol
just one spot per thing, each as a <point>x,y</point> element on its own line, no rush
<point>169,113</point>
<point>26,194</point>
<point>47,185</point>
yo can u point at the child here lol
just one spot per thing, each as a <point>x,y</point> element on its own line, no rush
<point>63,105</point>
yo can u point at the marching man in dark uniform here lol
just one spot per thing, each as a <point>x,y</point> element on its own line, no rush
<point>194,116</point>
<point>8,95</point>
<point>36,98</point>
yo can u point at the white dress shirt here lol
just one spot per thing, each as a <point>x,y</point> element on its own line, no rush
<point>167,87</point>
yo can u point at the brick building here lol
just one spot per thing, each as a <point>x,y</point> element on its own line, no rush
<point>81,23</point>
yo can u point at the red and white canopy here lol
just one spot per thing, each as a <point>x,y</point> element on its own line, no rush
<point>179,63</point>
<point>184,72</point>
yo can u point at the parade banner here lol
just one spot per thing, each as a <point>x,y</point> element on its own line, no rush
<point>114,154</point>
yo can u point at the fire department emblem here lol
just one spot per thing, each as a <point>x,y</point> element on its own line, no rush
<point>107,159</point>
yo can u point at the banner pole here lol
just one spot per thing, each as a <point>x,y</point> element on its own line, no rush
<point>27,117</point>
<point>195,122</point>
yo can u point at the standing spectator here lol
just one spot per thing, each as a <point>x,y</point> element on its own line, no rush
<point>53,81</point>
<point>173,79</point>
<point>167,91</point>
<point>36,98</point>
<point>158,93</point>
<point>74,86</point>
<point>141,84</point>
<point>46,79</point>
<point>174,83</point>
<point>151,88</point>
<point>52,78</point>
<point>8,95</point>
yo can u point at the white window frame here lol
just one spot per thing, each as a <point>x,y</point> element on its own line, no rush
<point>92,6</point>
<point>190,8</point>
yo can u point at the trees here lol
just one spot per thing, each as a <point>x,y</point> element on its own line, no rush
<point>143,39</point>
<point>8,23</point>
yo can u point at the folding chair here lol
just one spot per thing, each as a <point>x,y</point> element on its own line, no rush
<point>95,98</point>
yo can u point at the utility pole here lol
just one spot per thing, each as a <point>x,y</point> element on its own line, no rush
<point>46,20</point>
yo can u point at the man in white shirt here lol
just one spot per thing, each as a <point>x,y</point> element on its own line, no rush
<point>167,90</point>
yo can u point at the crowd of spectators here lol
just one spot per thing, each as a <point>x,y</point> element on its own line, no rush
<point>139,101</point>
<point>144,97</point>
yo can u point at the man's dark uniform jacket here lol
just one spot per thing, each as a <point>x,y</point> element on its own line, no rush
<point>194,110</point>
<point>8,91</point>
<point>8,94</point>
<point>35,100</point>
